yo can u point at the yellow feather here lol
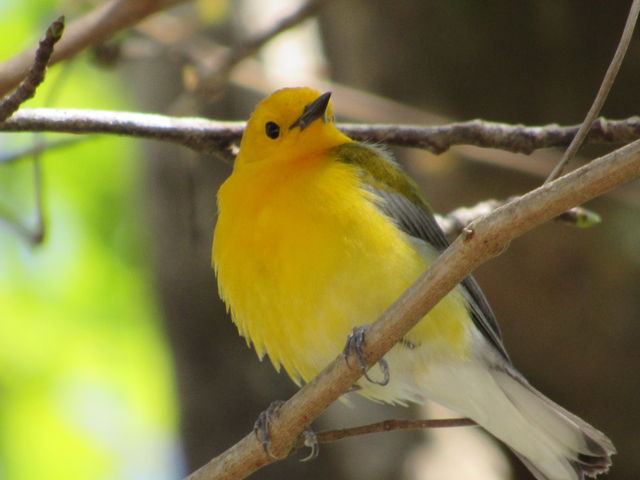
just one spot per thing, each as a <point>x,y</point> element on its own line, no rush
<point>303,255</point>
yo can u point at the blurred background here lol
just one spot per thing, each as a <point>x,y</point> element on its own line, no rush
<point>117,360</point>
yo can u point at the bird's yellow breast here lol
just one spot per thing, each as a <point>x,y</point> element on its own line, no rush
<point>303,255</point>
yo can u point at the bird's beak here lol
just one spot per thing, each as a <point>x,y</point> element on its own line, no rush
<point>312,112</point>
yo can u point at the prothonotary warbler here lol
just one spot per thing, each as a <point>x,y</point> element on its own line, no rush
<point>318,234</point>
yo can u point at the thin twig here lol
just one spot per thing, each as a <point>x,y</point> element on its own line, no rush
<point>33,236</point>
<point>603,92</point>
<point>38,232</point>
<point>490,236</point>
<point>35,76</point>
<point>9,104</point>
<point>454,222</point>
<point>13,224</point>
<point>208,136</point>
<point>91,29</point>
<point>329,436</point>
<point>214,76</point>
<point>9,157</point>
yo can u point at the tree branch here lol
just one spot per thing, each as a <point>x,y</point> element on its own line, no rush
<point>329,436</point>
<point>484,239</point>
<point>9,104</point>
<point>213,75</point>
<point>480,133</point>
<point>27,88</point>
<point>603,92</point>
<point>92,29</point>
<point>210,135</point>
<point>196,133</point>
<point>454,222</point>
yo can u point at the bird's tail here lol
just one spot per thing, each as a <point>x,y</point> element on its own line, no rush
<point>552,442</point>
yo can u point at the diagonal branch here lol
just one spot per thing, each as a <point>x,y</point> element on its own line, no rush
<point>213,136</point>
<point>484,239</point>
<point>27,88</point>
<point>10,103</point>
<point>214,76</point>
<point>92,29</point>
<point>9,157</point>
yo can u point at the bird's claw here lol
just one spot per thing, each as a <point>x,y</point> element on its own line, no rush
<point>261,427</point>
<point>261,430</point>
<point>310,440</point>
<point>355,342</point>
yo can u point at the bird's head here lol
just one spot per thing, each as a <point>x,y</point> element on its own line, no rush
<point>289,124</point>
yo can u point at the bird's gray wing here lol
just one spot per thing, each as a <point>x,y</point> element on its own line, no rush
<point>401,201</point>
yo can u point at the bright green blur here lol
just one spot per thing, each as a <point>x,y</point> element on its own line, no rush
<point>86,386</point>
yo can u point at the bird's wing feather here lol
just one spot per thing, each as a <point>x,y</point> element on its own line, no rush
<point>402,202</point>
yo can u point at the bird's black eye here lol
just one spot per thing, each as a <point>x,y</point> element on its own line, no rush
<point>272,130</point>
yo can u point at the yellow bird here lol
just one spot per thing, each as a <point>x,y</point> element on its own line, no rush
<point>318,234</point>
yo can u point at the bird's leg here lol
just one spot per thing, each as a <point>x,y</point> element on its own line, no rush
<point>310,440</point>
<point>261,427</point>
<point>355,342</point>
<point>261,430</point>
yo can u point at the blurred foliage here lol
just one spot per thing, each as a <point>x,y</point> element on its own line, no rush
<point>86,387</point>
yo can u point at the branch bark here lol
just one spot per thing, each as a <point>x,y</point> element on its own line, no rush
<point>484,239</point>
<point>34,77</point>
<point>393,425</point>
<point>210,135</point>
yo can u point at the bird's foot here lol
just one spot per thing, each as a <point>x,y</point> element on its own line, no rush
<point>355,343</point>
<point>261,427</point>
<point>309,440</point>
<point>261,430</point>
